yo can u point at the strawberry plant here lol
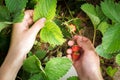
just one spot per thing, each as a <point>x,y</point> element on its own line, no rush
<point>99,16</point>
<point>13,12</point>
<point>73,78</point>
<point>105,19</point>
<point>64,19</point>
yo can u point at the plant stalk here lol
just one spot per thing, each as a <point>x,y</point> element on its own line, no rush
<point>94,37</point>
<point>68,9</point>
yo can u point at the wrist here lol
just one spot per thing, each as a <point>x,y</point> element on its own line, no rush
<point>92,74</point>
<point>11,64</point>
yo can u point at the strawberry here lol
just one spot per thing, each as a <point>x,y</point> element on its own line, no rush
<point>76,48</point>
<point>75,56</point>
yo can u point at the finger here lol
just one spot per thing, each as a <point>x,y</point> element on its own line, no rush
<point>30,22</point>
<point>85,43</point>
<point>71,42</point>
<point>75,37</point>
<point>28,14</point>
<point>26,22</point>
<point>28,18</point>
<point>37,26</point>
<point>69,57</point>
<point>79,40</point>
<point>69,51</point>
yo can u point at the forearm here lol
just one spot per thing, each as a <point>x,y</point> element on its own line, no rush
<point>92,76</point>
<point>11,65</point>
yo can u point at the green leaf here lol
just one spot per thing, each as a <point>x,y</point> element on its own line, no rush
<point>77,22</point>
<point>111,10</point>
<point>73,78</point>
<point>32,64</point>
<point>4,14</point>
<point>90,10</point>
<point>57,67</point>
<point>2,26</point>
<point>117,59</point>
<point>111,39</point>
<point>103,26</point>
<point>32,3</point>
<point>101,52</point>
<point>38,76</point>
<point>18,17</point>
<point>64,29</point>
<point>40,54</point>
<point>100,13</point>
<point>52,34</point>
<point>111,71</point>
<point>16,5</point>
<point>45,8</point>
<point>30,54</point>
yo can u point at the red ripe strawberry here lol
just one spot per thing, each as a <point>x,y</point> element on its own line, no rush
<point>75,48</point>
<point>75,56</point>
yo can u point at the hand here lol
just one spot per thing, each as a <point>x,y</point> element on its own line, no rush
<point>22,40</point>
<point>23,35</point>
<point>88,65</point>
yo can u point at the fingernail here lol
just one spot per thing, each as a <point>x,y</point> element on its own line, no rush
<point>80,39</point>
<point>43,20</point>
<point>75,37</point>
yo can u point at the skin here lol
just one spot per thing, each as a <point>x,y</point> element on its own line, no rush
<point>88,65</point>
<point>22,40</point>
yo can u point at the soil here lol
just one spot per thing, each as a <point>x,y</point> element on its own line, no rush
<point>117,75</point>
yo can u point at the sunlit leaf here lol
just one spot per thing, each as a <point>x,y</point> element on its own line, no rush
<point>32,64</point>
<point>103,26</point>
<point>45,8</point>
<point>117,59</point>
<point>111,39</point>
<point>38,76</point>
<point>57,67</point>
<point>101,52</point>
<point>52,34</point>
<point>2,25</point>
<point>90,10</point>
<point>73,78</point>
<point>111,71</point>
<point>111,10</point>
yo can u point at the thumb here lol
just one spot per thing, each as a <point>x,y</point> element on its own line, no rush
<point>37,26</point>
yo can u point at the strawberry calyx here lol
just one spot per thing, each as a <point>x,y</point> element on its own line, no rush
<point>75,56</point>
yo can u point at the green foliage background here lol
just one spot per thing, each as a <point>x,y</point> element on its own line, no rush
<point>104,17</point>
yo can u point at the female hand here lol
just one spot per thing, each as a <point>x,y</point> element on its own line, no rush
<point>22,40</point>
<point>23,36</point>
<point>88,65</point>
